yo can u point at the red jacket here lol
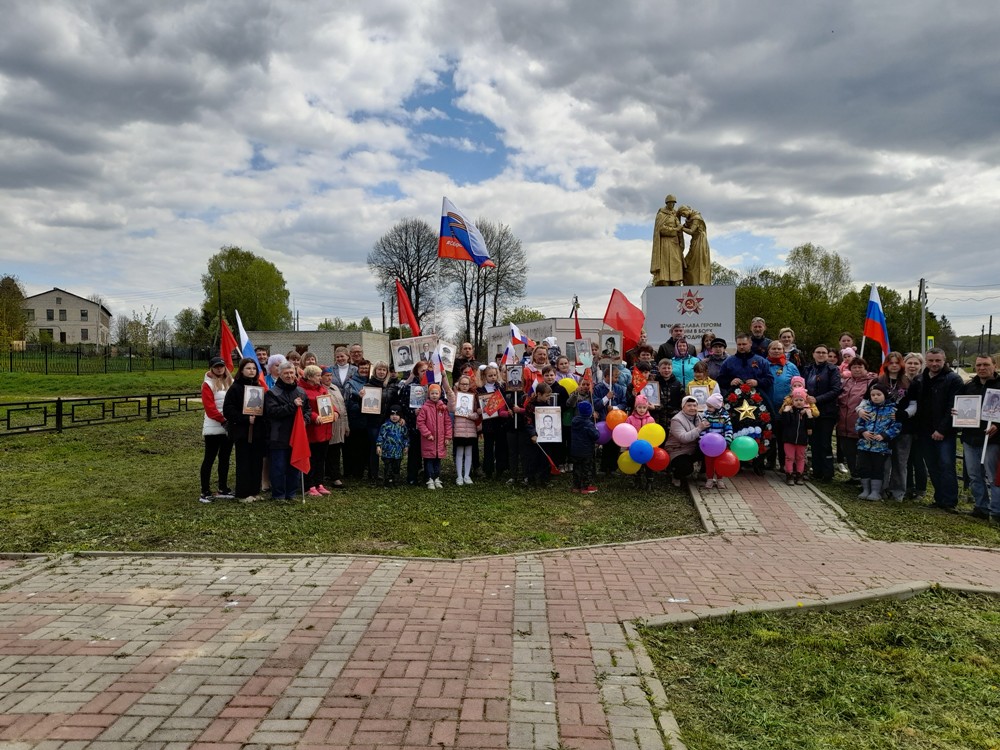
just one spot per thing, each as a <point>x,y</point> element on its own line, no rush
<point>433,420</point>
<point>318,433</point>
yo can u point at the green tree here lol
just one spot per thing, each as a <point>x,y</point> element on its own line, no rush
<point>250,284</point>
<point>189,329</point>
<point>13,318</point>
<point>408,252</point>
<point>814,266</point>
<point>722,276</point>
<point>520,315</point>
<point>337,324</point>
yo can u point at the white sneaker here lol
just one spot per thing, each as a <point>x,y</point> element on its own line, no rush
<point>459,481</point>
<point>437,483</point>
<point>468,480</point>
<point>431,485</point>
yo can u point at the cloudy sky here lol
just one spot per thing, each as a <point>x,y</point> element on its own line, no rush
<point>136,138</point>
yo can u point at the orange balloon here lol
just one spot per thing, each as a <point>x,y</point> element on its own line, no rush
<point>615,417</point>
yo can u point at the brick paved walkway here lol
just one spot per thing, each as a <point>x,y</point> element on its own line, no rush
<point>525,651</point>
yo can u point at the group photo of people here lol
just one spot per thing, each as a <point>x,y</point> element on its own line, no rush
<point>894,430</point>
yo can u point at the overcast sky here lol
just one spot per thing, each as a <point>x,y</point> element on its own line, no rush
<point>136,138</point>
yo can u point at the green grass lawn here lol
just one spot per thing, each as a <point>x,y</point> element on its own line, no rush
<point>21,386</point>
<point>913,675</point>
<point>134,487</point>
<point>909,522</point>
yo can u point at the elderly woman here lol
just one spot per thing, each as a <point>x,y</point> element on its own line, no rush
<point>686,428</point>
<point>683,363</point>
<point>782,371</point>
<point>271,374</point>
<point>319,433</point>
<point>282,405</point>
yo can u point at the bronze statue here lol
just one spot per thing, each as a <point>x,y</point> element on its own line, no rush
<point>698,261</point>
<point>667,262</point>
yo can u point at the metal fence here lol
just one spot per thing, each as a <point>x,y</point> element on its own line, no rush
<point>90,359</point>
<point>22,417</point>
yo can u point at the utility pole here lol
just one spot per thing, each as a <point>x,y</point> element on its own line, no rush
<point>922,296</point>
<point>383,316</point>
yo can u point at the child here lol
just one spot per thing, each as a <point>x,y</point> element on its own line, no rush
<point>584,443</point>
<point>536,465</point>
<point>434,426</point>
<point>702,379</point>
<point>795,422</point>
<point>718,422</point>
<point>875,431</point>
<point>639,418</point>
<point>800,382</point>
<point>466,432</point>
<point>495,426</point>
<point>392,442</point>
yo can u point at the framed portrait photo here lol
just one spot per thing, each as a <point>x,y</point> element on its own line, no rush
<point>700,392</point>
<point>371,400</point>
<point>548,424</point>
<point>967,411</point>
<point>652,393</point>
<point>584,351</point>
<point>324,409</point>
<point>418,394</point>
<point>610,347</point>
<point>465,404</point>
<point>253,400</point>
<point>515,378</point>
<point>991,405</point>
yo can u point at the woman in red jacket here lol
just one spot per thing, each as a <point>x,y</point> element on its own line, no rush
<point>318,429</point>
<point>217,443</point>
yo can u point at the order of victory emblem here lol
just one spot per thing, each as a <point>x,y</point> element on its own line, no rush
<point>689,303</point>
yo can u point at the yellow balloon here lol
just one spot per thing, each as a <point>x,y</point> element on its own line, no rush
<point>653,433</point>
<point>569,384</point>
<point>627,465</point>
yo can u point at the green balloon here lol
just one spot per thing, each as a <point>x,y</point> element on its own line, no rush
<point>744,447</point>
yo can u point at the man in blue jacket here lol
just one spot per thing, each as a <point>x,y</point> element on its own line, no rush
<point>745,367</point>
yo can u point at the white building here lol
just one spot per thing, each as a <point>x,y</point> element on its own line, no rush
<point>65,318</point>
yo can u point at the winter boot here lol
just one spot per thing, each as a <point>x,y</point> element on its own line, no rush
<point>790,479</point>
<point>876,491</point>
<point>866,488</point>
<point>798,478</point>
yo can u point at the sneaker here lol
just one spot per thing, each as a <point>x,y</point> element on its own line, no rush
<point>313,492</point>
<point>323,490</point>
<point>205,498</point>
<point>431,485</point>
<point>460,481</point>
<point>248,499</point>
<point>437,483</point>
<point>468,480</point>
<point>720,484</point>
<point>590,490</point>
<point>224,493</point>
<point>709,484</point>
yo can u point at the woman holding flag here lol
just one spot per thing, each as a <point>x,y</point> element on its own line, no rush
<point>283,404</point>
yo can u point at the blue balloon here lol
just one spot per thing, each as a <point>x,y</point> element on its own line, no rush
<point>640,451</point>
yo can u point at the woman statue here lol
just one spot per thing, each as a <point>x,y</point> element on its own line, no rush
<point>698,261</point>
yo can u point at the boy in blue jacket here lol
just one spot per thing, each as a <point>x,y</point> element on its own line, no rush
<point>584,443</point>
<point>876,427</point>
<point>391,444</point>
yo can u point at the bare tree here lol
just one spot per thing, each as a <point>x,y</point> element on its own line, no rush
<point>408,252</point>
<point>484,293</point>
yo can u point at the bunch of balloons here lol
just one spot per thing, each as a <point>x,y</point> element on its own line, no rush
<point>643,445</point>
<point>727,459</point>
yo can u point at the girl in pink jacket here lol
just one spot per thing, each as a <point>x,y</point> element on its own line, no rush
<point>434,426</point>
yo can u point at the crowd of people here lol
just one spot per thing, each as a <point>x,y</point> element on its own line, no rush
<point>890,431</point>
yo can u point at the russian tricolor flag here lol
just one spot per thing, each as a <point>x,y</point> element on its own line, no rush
<point>435,371</point>
<point>509,355</point>
<point>247,348</point>
<point>460,239</point>
<point>516,337</point>
<point>875,326</point>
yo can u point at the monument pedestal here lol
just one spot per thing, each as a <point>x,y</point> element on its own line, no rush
<point>698,308</point>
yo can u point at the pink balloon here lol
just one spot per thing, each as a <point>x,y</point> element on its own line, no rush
<point>712,444</point>
<point>624,435</point>
<point>603,433</point>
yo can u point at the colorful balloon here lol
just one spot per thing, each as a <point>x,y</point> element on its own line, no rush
<point>615,417</point>
<point>659,461</point>
<point>627,465</point>
<point>745,448</point>
<point>569,384</point>
<point>640,451</point>
<point>603,433</point>
<point>624,435</point>
<point>727,464</point>
<point>653,433</point>
<point>712,444</point>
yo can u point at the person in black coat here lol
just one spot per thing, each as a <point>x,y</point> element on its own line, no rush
<point>248,433</point>
<point>281,407</point>
<point>823,383</point>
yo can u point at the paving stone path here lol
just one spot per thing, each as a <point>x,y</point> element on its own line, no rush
<point>530,651</point>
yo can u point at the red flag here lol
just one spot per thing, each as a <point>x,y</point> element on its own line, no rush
<point>406,316</point>
<point>579,333</point>
<point>623,316</point>
<point>227,345</point>
<point>299,443</point>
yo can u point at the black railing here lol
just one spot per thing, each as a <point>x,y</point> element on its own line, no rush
<point>89,359</point>
<point>56,415</point>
